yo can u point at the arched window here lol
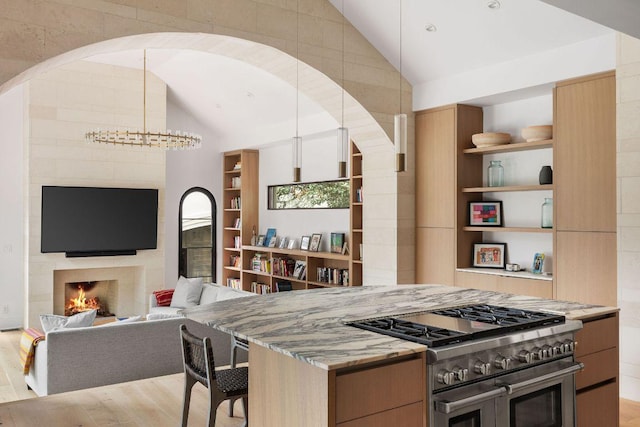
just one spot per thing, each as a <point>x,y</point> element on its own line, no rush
<point>197,234</point>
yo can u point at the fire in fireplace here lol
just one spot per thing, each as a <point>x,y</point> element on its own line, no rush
<point>84,302</point>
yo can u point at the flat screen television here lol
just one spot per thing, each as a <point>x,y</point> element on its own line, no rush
<point>93,221</point>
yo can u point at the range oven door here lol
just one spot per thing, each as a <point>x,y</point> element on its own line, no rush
<point>540,396</point>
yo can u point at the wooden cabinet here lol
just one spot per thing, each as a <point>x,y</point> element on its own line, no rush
<point>440,137</point>
<point>597,385</point>
<point>355,217</point>
<point>240,211</point>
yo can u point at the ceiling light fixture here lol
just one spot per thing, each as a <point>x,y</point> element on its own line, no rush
<point>297,140</point>
<point>166,140</point>
<point>494,5</point>
<point>400,120</point>
<point>431,28</point>
<point>343,132</point>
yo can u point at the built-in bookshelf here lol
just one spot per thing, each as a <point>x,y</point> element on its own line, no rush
<point>240,211</point>
<point>355,217</point>
<point>265,270</point>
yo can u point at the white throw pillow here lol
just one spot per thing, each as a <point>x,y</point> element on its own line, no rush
<point>187,293</point>
<point>131,319</point>
<point>209,294</point>
<point>229,293</point>
<point>53,322</point>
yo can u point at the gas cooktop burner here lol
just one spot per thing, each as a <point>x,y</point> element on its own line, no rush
<point>454,325</point>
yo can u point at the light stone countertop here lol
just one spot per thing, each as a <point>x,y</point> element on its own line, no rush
<point>309,325</point>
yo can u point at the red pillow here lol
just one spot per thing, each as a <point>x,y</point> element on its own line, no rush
<point>163,297</point>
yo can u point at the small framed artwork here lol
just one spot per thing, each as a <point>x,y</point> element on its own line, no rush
<point>283,243</point>
<point>271,232</point>
<point>260,241</point>
<point>485,214</point>
<point>314,246</point>
<point>304,243</point>
<point>538,263</point>
<point>337,242</point>
<point>272,241</point>
<point>291,244</point>
<point>490,255</point>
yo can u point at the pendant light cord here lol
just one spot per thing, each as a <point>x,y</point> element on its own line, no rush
<point>342,77</point>
<point>144,91</point>
<point>400,79</point>
<point>297,64</point>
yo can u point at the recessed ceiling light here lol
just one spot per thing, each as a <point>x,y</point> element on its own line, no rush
<point>431,28</point>
<point>494,5</point>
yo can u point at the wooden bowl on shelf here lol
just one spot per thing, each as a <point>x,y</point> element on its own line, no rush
<point>489,139</point>
<point>537,133</point>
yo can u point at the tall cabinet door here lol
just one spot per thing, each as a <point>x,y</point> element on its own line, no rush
<point>585,190</point>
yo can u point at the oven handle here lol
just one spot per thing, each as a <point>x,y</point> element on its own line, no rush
<point>448,407</point>
<point>511,388</point>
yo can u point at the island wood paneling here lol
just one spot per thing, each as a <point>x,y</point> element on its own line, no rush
<point>410,415</point>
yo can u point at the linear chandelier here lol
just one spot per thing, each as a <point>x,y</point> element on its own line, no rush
<point>167,140</point>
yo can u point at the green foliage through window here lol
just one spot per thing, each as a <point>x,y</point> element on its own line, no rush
<point>310,195</point>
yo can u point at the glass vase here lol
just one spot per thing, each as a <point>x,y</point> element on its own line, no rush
<point>495,174</point>
<point>547,213</point>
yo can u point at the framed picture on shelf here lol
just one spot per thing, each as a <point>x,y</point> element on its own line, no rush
<point>271,233</point>
<point>538,263</point>
<point>304,243</point>
<point>291,244</point>
<point>485,214</point>
<point>260,241</point>
<point>490,255</point>
<point>337,242</point>
<point>314,246</point>
<point>283,243</point>
<point>273,241</point>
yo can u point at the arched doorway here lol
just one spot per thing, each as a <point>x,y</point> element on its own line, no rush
<point>197,234</point>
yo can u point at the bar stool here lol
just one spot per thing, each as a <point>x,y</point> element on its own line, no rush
<point>224,384</point>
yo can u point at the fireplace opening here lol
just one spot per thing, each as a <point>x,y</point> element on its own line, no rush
<point>84,296</point>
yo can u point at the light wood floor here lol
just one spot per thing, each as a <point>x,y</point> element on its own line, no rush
<point>153,402</point>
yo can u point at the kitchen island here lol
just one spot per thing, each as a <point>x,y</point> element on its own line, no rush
<point>308,368</point>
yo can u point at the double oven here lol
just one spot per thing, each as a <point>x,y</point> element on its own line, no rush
<point>492,366</point>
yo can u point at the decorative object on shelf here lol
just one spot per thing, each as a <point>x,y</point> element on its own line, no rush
<point>300,270</point>
<point>547,213</point>
<point>283,286</point>
<point>490,255</point>
<point>283,243</point>
<point>537,133</point>
<point>361,251</point>
<point>304,243</point>
<point>254,239</point>
<point>495,174</point>
<point>546,175</point>
<point>314,245</point>
<point>345,248</point>
<point>166,140</point>
<point>292,244</point>
<point>337,242</point>
<point>260,241</point>
<point>273,241</point>
<point>488,139</point>
<point>485,213</point>
<point>271,233</point>
<point>512,267</point>
<point>400,120</point>
<point>538,263</point>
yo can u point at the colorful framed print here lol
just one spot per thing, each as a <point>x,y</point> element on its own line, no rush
<point>485,214</point>
<point>538,263</point>
<point>489,255</point>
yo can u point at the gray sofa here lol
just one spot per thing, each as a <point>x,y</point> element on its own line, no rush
<point>79,358</point>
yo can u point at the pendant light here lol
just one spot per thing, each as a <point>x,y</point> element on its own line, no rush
<point>297,140</point>
<point>343,132</point>
<point>166,140</point>
<point>400,120</point>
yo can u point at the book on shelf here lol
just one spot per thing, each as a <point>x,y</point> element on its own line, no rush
<point>237,242</point>
<point>235,261</point>
<point>283,286</point>
<point>236,223</point>
<point>235,182</point>
<point>234,283</point>
<point>260,288</point>
<point>235,202</point>
<point>300,270</point>
<point>283,266</point>
<point>261,263</point>
<point>359,195</point>
<point>334,276</point>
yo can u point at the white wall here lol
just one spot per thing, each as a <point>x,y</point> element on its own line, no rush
<point>319,163</point>
<point>187,169</point>
<point>12,211</point>
<point>521,168</point>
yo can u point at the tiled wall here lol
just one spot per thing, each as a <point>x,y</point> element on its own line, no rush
<point>628,173</point>
<point>62,105</point>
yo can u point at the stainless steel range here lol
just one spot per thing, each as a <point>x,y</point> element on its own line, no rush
<point>493,366</point>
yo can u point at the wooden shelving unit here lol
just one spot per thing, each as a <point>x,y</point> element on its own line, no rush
<point>355,217</point>
<point>240,181</point>
<point>510,148</point>
<point>545,187</point>
<point>509,229</point>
